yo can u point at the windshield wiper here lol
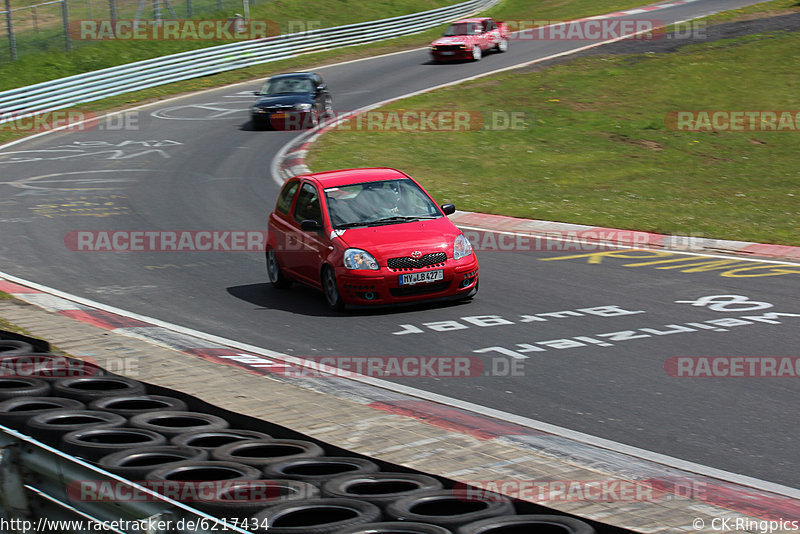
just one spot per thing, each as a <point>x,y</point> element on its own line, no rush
<point>400,219</point>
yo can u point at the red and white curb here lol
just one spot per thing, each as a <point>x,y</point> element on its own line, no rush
<point>738,493</point>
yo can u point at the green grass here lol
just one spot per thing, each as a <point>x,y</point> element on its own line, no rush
<point>595,148</point>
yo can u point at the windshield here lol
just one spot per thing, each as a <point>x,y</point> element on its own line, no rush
<point>378,203</point>
<point>462,28</point>
<point>287,85</point>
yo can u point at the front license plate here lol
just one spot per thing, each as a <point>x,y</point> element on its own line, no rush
<point>279,115</point>
<point>447,53</point>
<point>421,278</point>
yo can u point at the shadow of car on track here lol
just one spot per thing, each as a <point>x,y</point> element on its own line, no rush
<point>304,300</point>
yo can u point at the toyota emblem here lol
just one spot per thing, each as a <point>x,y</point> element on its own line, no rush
<point>416,254</point>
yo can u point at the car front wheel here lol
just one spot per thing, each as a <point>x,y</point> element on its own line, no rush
<point>476,53</point>
<point>274,272</point>
<point>331,289</point>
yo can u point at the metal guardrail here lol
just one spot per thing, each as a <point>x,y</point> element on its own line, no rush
<point>35,496</point>
<point>91,86</point>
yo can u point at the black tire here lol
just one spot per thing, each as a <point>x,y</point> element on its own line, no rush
<point>316,516</point>
<point>242,499</point>
<point>549,524</point>
<point>46,366</point>
<point>94,443</point>
<point>331,290</point>
<point>274,271</point>
<point>318,469</point>
<point>49,427</point>
<point>448,508</point>
<point>396,527</point>
<point>15,387</point>
<point>15,412</point>
<point>210,440</point>
<point>172,423</point>
<point>380,489</point>
<point>477,53</point>
<point>193,482</point>
<point>131,405</point>
<point>9,347</point>
<point>135,463</point>
<point>89,388</point>
<point>501,46</point>
<point>261,452</point>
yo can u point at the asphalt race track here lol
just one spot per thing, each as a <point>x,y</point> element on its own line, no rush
<point>574,338</point>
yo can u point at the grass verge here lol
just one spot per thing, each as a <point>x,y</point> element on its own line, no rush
<point>595,148</point>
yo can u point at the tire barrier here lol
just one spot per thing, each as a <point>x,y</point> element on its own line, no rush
<point>173,423</point>
<point>50,426</point>
<point>380,489</point>
<point>448,508</point>
<point>134,464</point>
<point>209,441</point>
<point>128,406</point>
<point>15,412</point>
<point>398,527</point>
<point>317,470</point>
<point>14,387</point>
<point>546,524</point>
<point>277,479</point>
<point>94,443</point>
<point>317,516</point>
<point>89,388</point>
<point>261,452</point>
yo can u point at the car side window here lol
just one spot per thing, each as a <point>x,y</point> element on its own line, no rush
<point>285,197</point>
<point>307,207</point>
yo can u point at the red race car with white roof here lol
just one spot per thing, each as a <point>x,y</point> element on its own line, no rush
<point>469,39</point>
<point>368,237</point>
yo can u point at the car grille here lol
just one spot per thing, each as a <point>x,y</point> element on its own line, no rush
<point>408,263</point>
<point>418,289</point>
<point>449,48</point>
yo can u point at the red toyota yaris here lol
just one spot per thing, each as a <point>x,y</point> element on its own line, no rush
<point>367,237</point>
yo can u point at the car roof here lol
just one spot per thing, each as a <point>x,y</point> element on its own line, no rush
<point>354,176</point>
<point>294,75</point>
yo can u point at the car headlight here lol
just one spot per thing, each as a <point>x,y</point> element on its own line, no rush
<point>302,107</point>
<point>355,258</point>
<point>462,247</point>
<point>257,109</point>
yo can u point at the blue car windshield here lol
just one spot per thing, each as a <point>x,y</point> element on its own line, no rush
<point>378,203</point>
<point>287,85</point>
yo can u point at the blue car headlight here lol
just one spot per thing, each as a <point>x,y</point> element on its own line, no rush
<point>355,258</point>
<point>302,107</point>
<point>462,247</point>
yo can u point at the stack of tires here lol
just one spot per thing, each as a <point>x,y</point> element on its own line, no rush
<point>259,480</point>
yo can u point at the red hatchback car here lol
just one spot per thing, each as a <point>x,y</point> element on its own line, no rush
<point>368,237</point>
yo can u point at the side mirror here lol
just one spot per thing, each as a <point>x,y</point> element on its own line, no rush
<point>448,209</point>
<point>310,226</point>
<point>321,87</point>
<point>257,93</point>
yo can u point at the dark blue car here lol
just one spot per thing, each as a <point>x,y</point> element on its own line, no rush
<point>292,101</point>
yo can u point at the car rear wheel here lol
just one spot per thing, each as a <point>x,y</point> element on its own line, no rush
<point>502,45</point>
<point>331,290</point>
<point>274,272</point>
<point>476,53</point>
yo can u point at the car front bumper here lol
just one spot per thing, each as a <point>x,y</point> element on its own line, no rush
<point>382,287</point>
